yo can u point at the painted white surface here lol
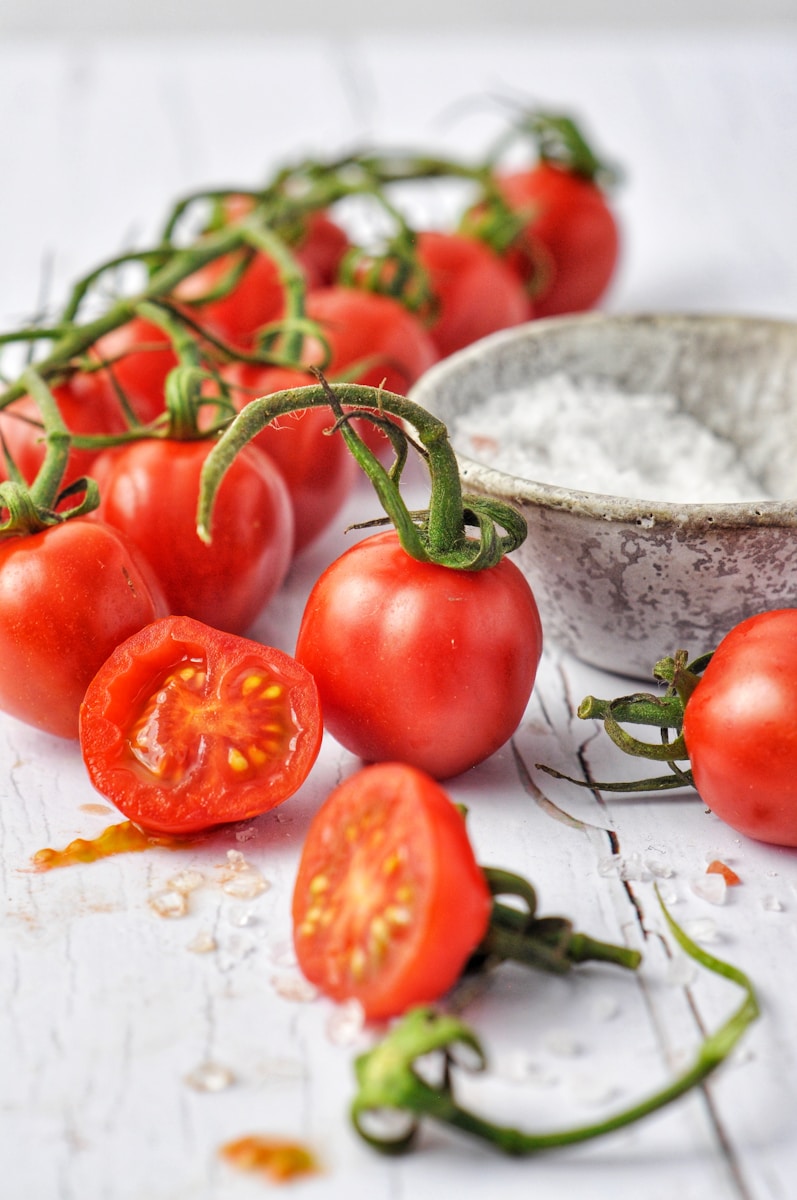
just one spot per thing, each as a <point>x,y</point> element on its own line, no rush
<point>105,1011</point>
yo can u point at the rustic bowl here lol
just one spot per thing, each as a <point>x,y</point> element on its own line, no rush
<point>621,583</point>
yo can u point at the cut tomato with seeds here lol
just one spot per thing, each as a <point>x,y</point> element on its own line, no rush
<point>186,727</point>
<point>389,901</point>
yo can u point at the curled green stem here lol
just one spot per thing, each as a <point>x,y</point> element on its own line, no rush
<point>387,1079</point>
<point>440,536</point>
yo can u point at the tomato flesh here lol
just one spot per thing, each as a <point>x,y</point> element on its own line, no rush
<point>186,727</point>
<point>389,901</point>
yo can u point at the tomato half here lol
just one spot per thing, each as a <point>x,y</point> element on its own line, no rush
<point>68,596</point>
<point>420,663</point>
<point>389,901</point>
<point>740,731</point>
<point>571,233</point>
<point>150,490</point>
<point>477,292</point>
<point>185,727</point>
<point>319,470</point>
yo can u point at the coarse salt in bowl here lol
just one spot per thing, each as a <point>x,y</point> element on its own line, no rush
<point>653,457</point>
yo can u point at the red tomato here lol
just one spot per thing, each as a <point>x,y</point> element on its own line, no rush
<point>150,490</point>
<point>257,299</point>
<point>68,596</point>
<point>319,470</point>
<point>321,249</point>
<point>571,229</point>
<point>85,407</point>
<point>364,326</point>
<point>420,663</point>
<point>477,292</point>
<point>185,727</point>
<point>389,901</point>
<point>740,731</point>
<point>142,356</point>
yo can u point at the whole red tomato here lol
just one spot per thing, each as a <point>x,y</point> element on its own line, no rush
<point>86,408</point>
<point>376,331</point>
<point>740,732</point>
<point>389,901</point>
<point>150,491</point>
<point>68,596</point>
<point>476,291</point>
<point>141,356</point>
<point>420,663</point>
<point>321,248</point>
<point>185,727</point>
<point>318,469</point>
<point>571,242</point>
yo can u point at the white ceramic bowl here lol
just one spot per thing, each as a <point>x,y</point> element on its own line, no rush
<point>621,583</point>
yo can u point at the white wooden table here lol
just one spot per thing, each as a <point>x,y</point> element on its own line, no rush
<point>111,1015</point>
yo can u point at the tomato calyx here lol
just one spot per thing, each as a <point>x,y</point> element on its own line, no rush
<point>389,1079</point>
<point>517,934</point>
<point>664,712</point>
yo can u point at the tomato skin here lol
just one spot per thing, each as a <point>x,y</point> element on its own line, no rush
<point>363,325</point>
<point>388,856</point>
<point>150,491</point>
<point>141,357</point>
<point>318,469</point>
<point>575,230</point>
<point>171,727</point>
<point>477,292</point>
<point>85,407</point>
<point>420,663</point>
<point>322,248</point>
<point>68,596</point>
<point>740,731</point>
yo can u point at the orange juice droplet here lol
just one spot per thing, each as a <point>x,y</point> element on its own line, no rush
<point>280,1160</point>
<point>122,838</point>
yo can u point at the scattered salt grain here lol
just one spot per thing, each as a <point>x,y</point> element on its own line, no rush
<point>702,930</point>
<point>282,953</point>
<point>241,878</point>
<point>294,987</point>
<point>772,904</point>
<point>659,870</point>
<point>242,918</point>
<point>203,943</point>
<point>586,434</point>
<point>245,835</point>
<point>592,1089</point>
<point>346,1023</point>
<point>711,888</point>
<point>563,1044</point>
<point>169,903</point>
<point>518,1066</point>
<point>210,1077</point>
<point>186,881</point>
<point>681,971</point>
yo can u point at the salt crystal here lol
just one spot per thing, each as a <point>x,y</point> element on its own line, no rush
<point>241,918</point>
<point>711,888</point>
<point>245,885</point>
<point>346,1023</point>
<point>282,953</point>
<point>702,930</point>
<point>659,870</point>
<point>633,869</point>
<point>203,943</point>
<point>681,971</point>
<point>245,835</point>
<point>186,881</point>
<point>522,1068</point>
<point>605,1008</point>
<point>592,1089</point>
<point>169,903</point>
<point>563,1044</point>
<point>609,866</point>
<point>668,896</point>
<point>772,904</point>
<point>210,1077</point>
<point>294,987</point>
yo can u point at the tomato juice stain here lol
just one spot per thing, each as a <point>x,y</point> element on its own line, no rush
<point>280,1160</point>
<point>122,838</point>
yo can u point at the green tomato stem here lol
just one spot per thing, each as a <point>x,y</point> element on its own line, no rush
<point>387,1080</point>
<point>441,536</point>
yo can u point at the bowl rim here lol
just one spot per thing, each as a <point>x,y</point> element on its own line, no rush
<point>531,494</point>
